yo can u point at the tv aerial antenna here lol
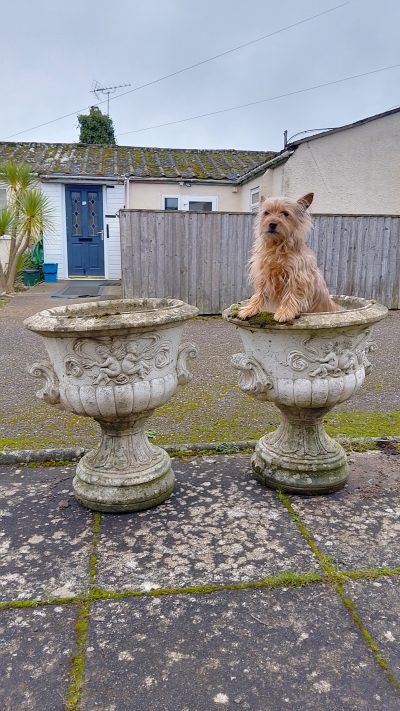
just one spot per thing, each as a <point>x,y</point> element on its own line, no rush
<point>99,91</point>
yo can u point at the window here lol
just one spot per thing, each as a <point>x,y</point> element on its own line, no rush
<point>3,198</point>
<point>200,206</point>
<point>193,203</point>
<point>254,199</point>
<point>171,203</point>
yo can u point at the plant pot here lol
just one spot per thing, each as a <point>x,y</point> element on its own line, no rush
<point>50,272</point>
<point>30,277</point>
<point>305,368</point>
<point>116,361</point>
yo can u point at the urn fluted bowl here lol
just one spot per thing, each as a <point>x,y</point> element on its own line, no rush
<point>305,368</point>
<point>116,361</point>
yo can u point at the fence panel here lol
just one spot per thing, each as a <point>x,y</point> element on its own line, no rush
<point>201,257</point>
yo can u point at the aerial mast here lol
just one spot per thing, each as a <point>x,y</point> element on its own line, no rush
<point>99,90</point>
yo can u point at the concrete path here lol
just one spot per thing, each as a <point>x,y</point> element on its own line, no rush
<point>228,596</point>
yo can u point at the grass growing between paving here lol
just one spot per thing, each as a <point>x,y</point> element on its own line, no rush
<point>77,671</point>
<point>212,416</point>
<point>337,579</point>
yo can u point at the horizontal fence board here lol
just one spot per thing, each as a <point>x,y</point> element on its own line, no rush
<point>202,258</point>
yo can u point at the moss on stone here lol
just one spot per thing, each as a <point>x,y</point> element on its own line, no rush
<point>50,463</point>
<point>379,658</point>
<point>264,318</point>
<point>76,675</point>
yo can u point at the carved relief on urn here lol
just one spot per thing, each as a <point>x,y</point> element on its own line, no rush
<point>116,361</point>
<point>305,368</point>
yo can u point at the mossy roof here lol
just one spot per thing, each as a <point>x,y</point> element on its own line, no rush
<point>63,159</point>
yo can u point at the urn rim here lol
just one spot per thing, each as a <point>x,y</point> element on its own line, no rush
<point>356,312</point>
<point>110,316</point>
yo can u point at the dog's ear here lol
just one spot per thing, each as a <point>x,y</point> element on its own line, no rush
<point>306,200</point>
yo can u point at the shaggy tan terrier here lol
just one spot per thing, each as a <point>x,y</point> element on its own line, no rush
<point>283,270</point>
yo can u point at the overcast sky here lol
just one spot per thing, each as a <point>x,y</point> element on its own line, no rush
<point>53,51</point>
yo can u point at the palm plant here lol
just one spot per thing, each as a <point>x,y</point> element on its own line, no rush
<point>26,217</point>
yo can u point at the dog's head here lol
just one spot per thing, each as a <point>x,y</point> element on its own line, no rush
<point>281,218</point>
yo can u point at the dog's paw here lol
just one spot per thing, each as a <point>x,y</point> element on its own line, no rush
<point>243,314</point>
<point>284,317</point>
<point>246,312</point>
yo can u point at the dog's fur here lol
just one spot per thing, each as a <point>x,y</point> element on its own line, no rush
<point>283,270</point>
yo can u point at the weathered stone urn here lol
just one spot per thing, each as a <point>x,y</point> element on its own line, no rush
<point>305,368</point>
<point>116,361</point>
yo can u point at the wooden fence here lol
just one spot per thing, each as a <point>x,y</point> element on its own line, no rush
<point>201,257</point>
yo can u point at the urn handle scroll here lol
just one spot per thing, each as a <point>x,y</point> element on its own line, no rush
<point>50,392</point>
<point>185,351</point>
<point>252,378</point>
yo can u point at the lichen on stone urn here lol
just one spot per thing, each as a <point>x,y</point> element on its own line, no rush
<point>116,361</point>
<point>305,367</point>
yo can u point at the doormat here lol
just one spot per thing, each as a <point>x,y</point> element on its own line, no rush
<point>82,289</point>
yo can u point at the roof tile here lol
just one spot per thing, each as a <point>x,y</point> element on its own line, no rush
<point>118,161</point>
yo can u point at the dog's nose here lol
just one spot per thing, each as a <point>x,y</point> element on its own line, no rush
<point>272,226</point>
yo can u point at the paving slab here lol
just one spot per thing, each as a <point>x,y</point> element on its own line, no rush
<point>378,604</point>
<point>360,525</point>
<point>45,535</point>
<point>35,651</point>
<point>263,650</point>
<point>219,526</point>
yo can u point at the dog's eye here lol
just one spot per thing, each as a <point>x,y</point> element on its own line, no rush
<point>286,214</point>
<point>266,212</point>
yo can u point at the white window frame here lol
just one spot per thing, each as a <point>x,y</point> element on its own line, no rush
<point>177,197</point>
<point>199,198</point>
<point>254,205</point>
<point>183,201</point>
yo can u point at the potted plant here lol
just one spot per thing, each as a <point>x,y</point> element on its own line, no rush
<point>27,270</point>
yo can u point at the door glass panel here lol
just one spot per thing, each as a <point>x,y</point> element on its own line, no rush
<point>92,214</point>
<point>76,214</point>
<point>200,206</point>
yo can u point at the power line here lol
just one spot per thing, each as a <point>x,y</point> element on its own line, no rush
<point>261,101</point>
<point>185,69</point>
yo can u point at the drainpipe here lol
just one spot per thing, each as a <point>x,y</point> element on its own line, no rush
<point>126,184</point>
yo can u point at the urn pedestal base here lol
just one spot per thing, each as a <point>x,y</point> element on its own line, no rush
<point>299,457</point>
<point>125,472</point>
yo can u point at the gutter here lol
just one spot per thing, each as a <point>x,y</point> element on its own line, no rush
<point>60,178</point>
<point>192,181</point>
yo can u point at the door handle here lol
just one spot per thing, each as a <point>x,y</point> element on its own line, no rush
<point>101,233</point>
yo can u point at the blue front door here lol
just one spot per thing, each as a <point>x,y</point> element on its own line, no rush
<point>85,230</point>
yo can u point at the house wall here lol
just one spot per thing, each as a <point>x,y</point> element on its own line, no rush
<point>114,201</point>
<point>245,192</point>
<point>4,250</point>
<point>148,196</point>
<point>55,242</point>
<point>354,171</point>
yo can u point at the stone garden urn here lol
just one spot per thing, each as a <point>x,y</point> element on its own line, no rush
<point>305,367</point>
<point>116,361</point>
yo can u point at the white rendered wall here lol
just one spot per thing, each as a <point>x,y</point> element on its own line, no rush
<point>149,196</point>
<point>352,172</point>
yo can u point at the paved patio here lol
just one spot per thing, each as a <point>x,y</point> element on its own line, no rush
<point>227,596</point>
